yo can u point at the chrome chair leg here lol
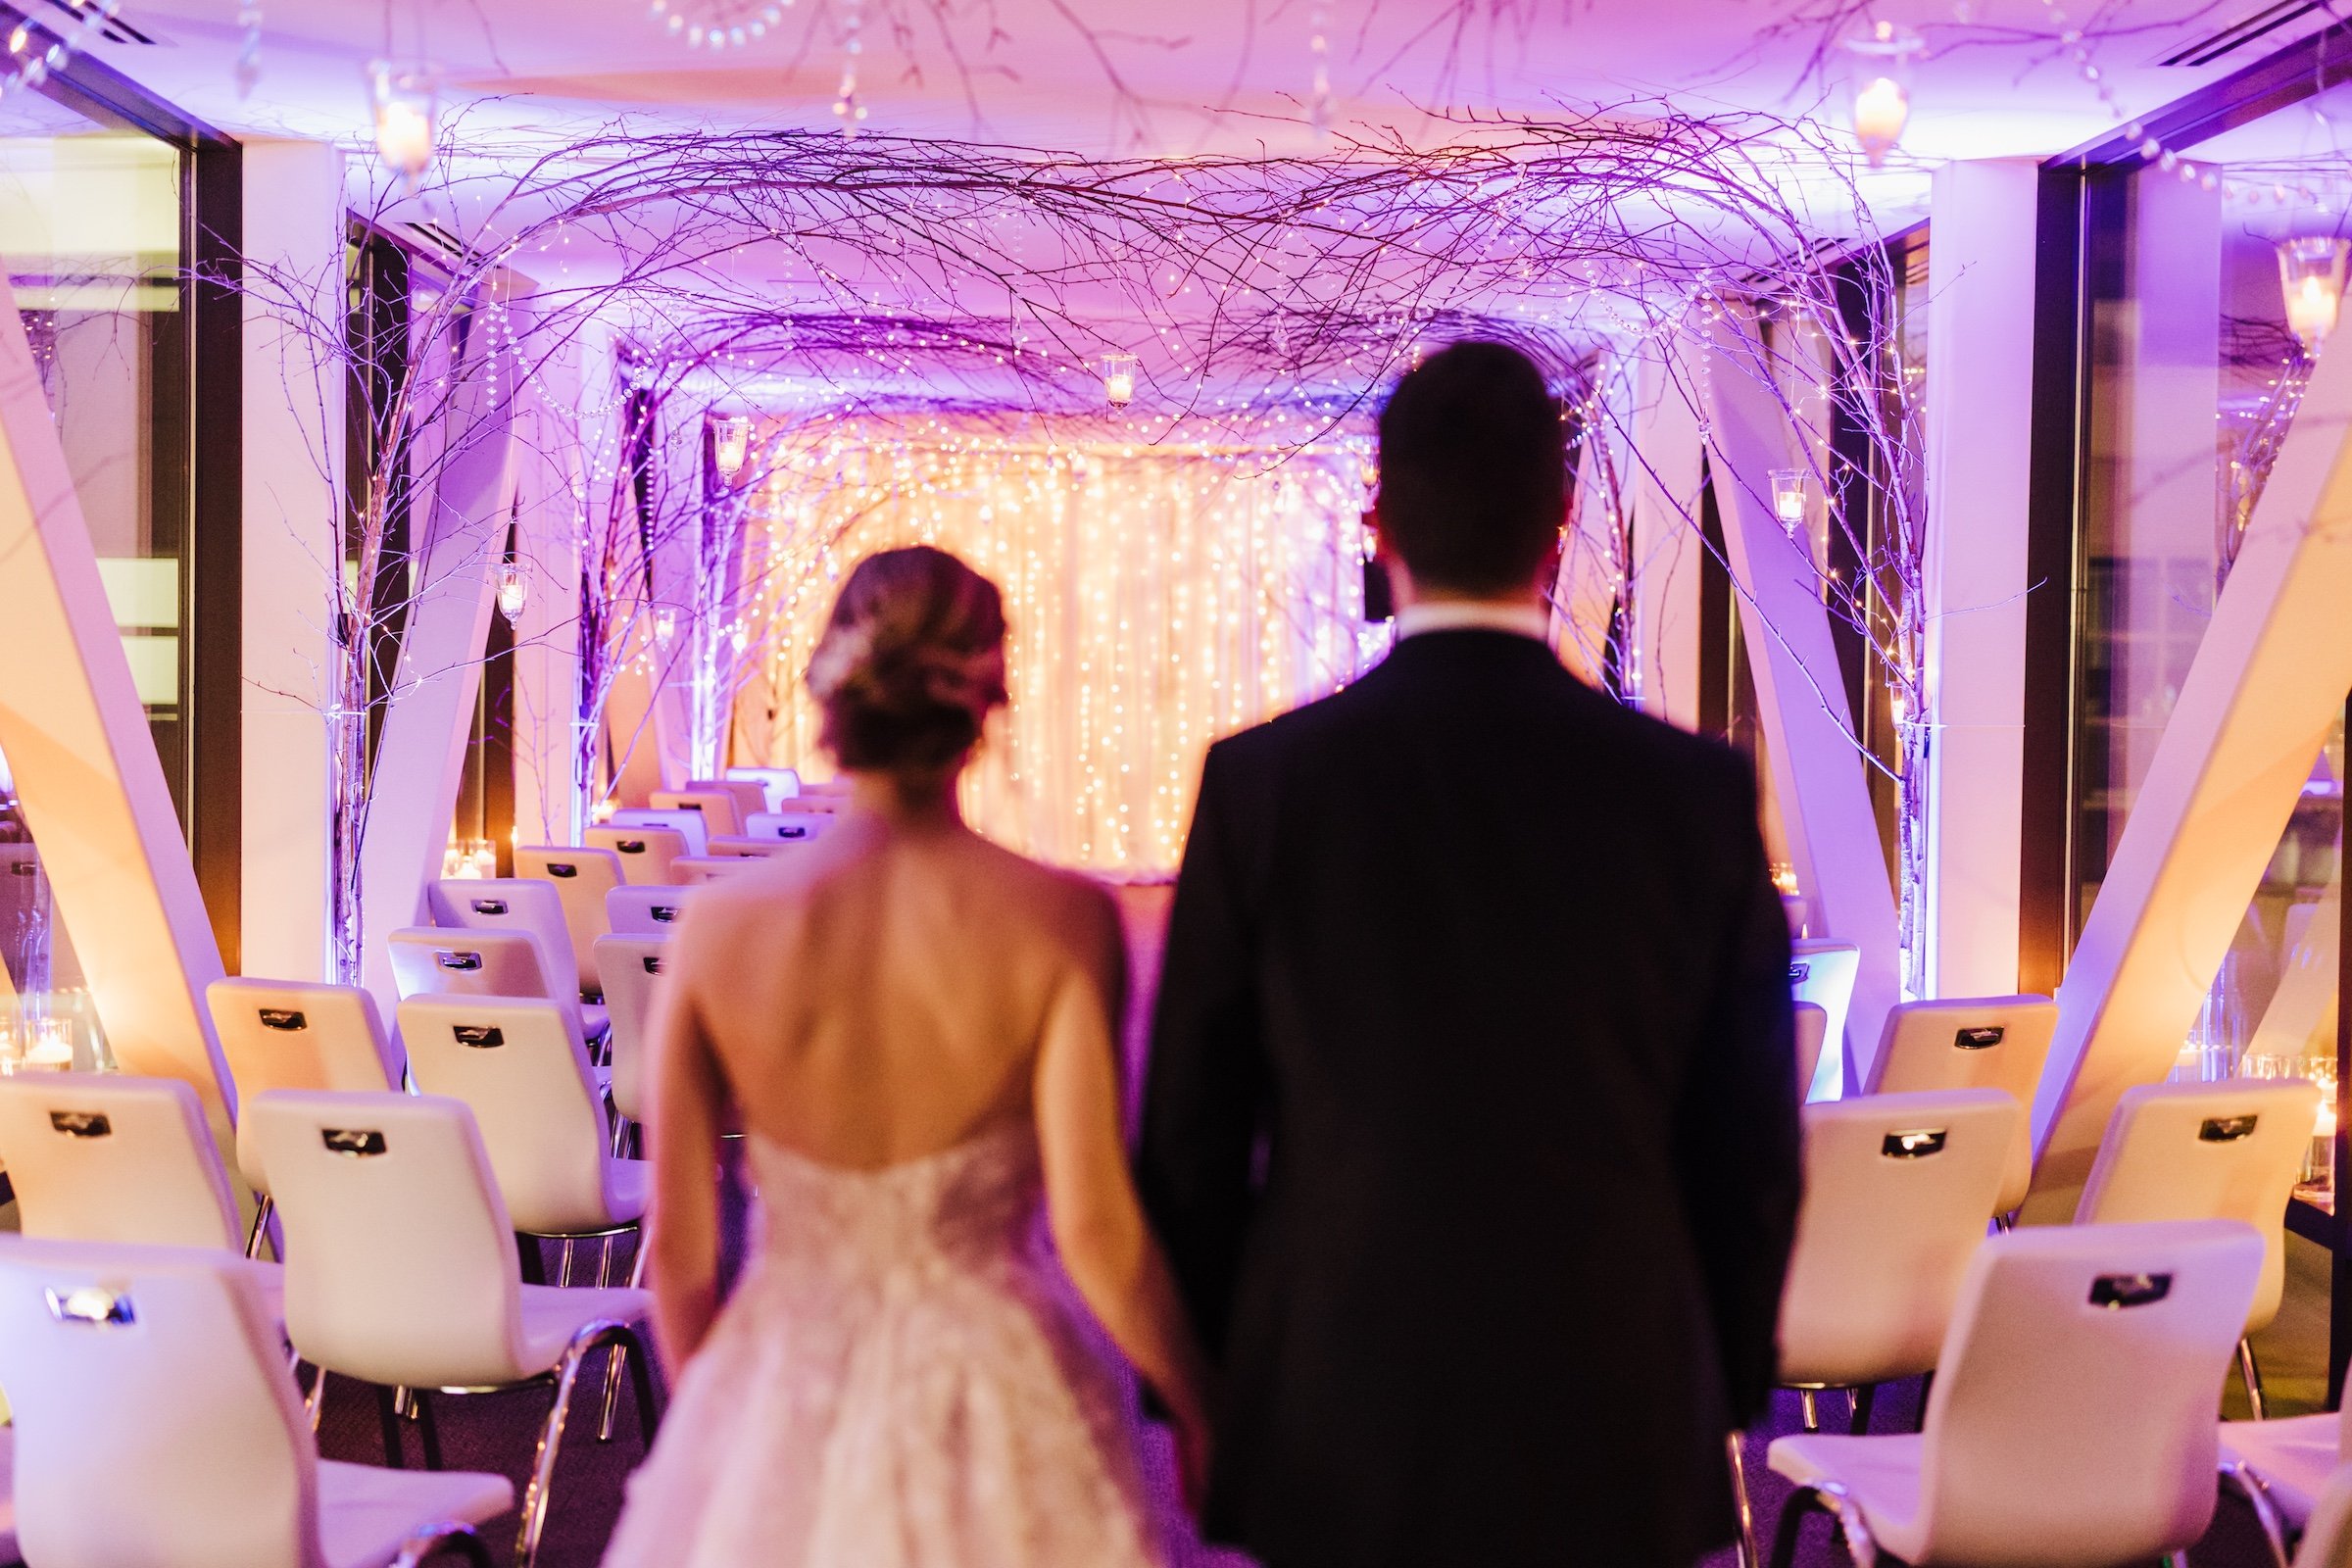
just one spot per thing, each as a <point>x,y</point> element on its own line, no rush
<point>563,1262</point>
<point>2250,1371</point>
<point>428,1428</point>
<point>2004,1223</point>
<point>1735,1451</point>
<point>637,1263</point>
<point>1864,1398</point>
<point>317,1397</point>
<point>2249,1484</point>
<point>618,1360</point>
<point>261,1210</point>
<point>1807,1399</point>
<point>543,1465</point>
<point>1803,1502</point>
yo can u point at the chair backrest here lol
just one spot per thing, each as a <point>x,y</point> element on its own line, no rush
<point>1965,1043</point>
<point>790,827</point>
<point>2222,1150</point>
<point>2328,1533</point>
<point>688,824</point>
<point>1822,973</point>
<point>581,877</point>
<point>629,966</point>
<point>644,852</point>
<point>1898,1191</point>
<point>716,806</point>
<point>646,911</point>
<point>695,869</point>
<point>517,1062</point>
<point>512,903</point>
<point>2073,1418</point>
<point>400,1265</point>
<point>296,1034</point>
<point>154,1420</point>
<point>104,1157</point>
<point>1812,1032</point>
<point>1793,904</point>
<point>748,795</point>
<point>745,849</point>
<point>431,961</point>
<point>776,784</point>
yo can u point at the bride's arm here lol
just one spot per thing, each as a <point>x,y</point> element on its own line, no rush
<point>687,1106</point>
<point>1099,1225</point>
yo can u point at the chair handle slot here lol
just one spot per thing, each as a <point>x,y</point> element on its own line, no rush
<point>653,964</point>
<point>1917,1144</point>
<point>665,913</point>
<point>792,832</point>
<point>23,869</point>
<point>1799,973</point>
<point>81,1123</point>
<point>480,1036</point>
<point>561,868</point>
<point>2226,1129</point>
<point>286,1018</point>
<point>93,1305</point>
<point>462,962</point>
<point>489,905</point>
<point>358,1143</point>
<point>2117,1291</point>
<point>629,846</point>
<point>1982,1038</point>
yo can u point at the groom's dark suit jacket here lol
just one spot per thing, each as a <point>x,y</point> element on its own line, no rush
<point>1471,1124</point>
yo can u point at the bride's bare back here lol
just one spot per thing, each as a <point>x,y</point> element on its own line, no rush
<point>885,993</point>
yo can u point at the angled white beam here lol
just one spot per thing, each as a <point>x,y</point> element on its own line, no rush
<point>1666,460</point>
<point>86,772</point>
<point>2269,678</point>
<point>1817,771</point>
<point>1978,436</point>
<point>429,718</point>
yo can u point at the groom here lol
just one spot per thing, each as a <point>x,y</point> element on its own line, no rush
<point>1470,1126</point>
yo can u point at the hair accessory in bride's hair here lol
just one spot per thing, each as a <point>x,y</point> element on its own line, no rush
<point>841,654</point>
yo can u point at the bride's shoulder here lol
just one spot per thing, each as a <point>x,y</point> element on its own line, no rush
<point>1071,904</point>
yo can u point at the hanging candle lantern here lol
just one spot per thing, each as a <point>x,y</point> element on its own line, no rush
<point>406,105</point>
<point>514,590</point>
<point>666,622</point>
<point>1118,380</point>
<point>2310,275</point>
<point>1880,91</point>
<point>731,443</point>
<point>1788,498</point>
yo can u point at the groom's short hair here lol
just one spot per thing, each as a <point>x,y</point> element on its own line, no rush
<point>1473,470</point>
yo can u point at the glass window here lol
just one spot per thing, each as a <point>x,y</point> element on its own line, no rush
<point>2195,378</point>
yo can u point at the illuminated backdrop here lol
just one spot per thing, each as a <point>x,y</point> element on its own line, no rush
<point>1158,596</point>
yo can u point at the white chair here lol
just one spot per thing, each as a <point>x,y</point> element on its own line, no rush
<point>646,911</point>
<point>581,877</point>
<point>2072,1421</point>
<point>518,1063</point>
<point>402,1269</point>
<point>434,961</point>
<point>107,1158</point>
<point>512,903</point>
<point>1812,1035</point>
<point>1822,973</point>
<point>776,784</point>
<point>791,827</point>
<point>158,1426</point>
<point>1970,1043</point>
<point>629,966</point>
<point>1896,1194</point>
<point>2221,1151</point>
<point>716,806</point>
<point>688,825</point>
<point>695,869</point>
<point>748,795</point>
<point>644,852</point>
<point>2282,1467</point>
<point>296,1034</point>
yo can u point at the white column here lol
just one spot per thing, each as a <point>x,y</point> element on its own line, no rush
<point>547,652</point>
<point>1817,771</point>
<point>86,772</point>
<point>1668,551</point>
<point>1979,440</point>
<point>294,211</point>
<point>2266,683</point>
<point>414,790</point>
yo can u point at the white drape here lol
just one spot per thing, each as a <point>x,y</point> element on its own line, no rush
<point>1159,598</point>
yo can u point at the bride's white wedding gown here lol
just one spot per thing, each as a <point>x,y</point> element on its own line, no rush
<point>898,1382</point>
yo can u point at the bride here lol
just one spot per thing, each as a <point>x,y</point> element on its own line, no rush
<point>916,1030</point>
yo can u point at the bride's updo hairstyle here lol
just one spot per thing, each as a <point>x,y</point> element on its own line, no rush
<point>911,662</point>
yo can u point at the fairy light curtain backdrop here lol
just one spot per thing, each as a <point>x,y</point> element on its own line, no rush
<point>1158,596</point>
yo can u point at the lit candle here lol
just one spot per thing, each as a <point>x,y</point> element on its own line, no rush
<point>2311,278</point>
<point>514,590</point>
<point>730,443</point>
<point>405,115</point>
<point>1118,380</point>
<point>1882,108</point>
<point>1789,497</point>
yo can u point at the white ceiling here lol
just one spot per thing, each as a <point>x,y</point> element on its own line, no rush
<point>1189,75</point>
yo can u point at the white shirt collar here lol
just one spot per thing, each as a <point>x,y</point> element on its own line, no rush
<point>1464,615</point>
